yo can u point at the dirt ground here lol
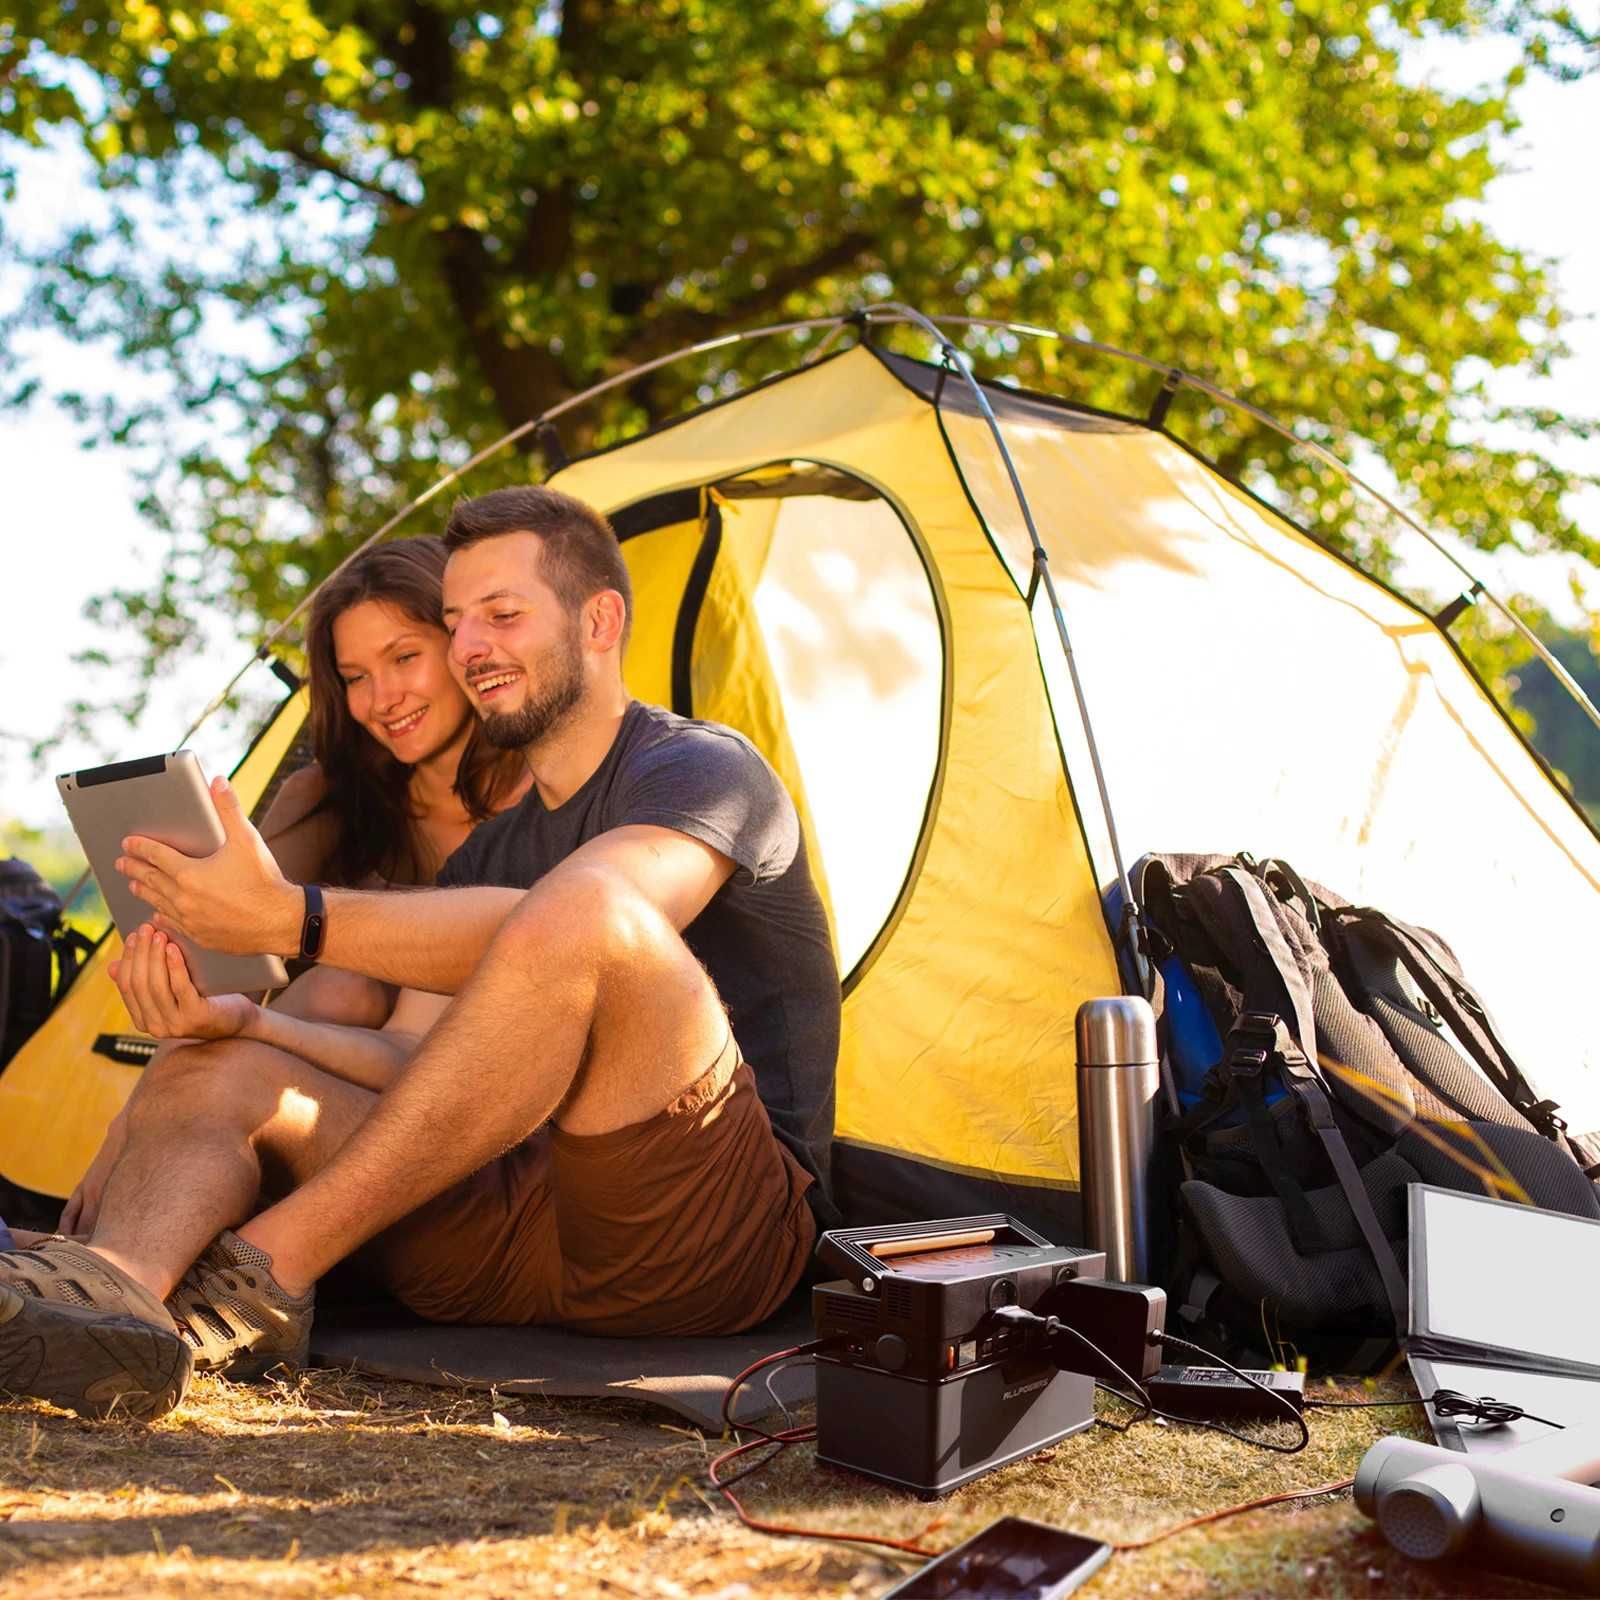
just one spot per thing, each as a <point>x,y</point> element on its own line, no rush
<point>338,1485</point>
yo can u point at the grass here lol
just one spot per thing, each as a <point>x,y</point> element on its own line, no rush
<point>339,1485</point>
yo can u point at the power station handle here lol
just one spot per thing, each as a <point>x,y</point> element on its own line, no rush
<point>884,1249</point>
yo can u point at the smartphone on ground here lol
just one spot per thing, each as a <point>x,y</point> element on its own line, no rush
<point>1012,1559</point>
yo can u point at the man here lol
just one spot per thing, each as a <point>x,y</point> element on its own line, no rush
<point>593,937</point>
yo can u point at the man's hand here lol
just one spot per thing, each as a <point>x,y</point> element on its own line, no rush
<point>155,985</point>
<point>236,899</point>
<point>82,1210</point>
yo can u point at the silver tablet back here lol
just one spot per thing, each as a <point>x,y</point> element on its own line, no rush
<point>164,798</point>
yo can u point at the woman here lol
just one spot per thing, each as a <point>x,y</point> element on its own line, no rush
<point>402,774</point>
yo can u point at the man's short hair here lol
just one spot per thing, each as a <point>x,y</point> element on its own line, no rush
<point>579,553</point>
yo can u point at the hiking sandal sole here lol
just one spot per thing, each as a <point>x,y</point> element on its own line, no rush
<point>95,1365</point>
<point>252,1368</point>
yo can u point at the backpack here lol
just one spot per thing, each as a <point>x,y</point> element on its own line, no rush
<point>39,958</point>
<point>1318,1058</point>
<point>39,955</point>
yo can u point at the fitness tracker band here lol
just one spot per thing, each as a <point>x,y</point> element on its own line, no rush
<point>314,926</point>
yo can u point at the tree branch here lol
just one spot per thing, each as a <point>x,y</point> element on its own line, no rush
<point>418,42</point>
<point>688,327</point>
<point>523,379</point>
<point>315,161</point>
<point>547,238</point>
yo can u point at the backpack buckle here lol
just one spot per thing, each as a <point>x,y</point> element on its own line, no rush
<point>1247,1062</point>
<point>1546,1116</point>
<point>1256,1030</point>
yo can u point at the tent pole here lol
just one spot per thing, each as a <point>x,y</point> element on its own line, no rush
<point>1042,575</point>
<point>504,442</point>
<point>1319,451</point>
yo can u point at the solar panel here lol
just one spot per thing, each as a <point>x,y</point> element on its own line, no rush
<point>1503,1284</point>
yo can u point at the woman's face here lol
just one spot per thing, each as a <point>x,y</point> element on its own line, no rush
<point>397,681</point>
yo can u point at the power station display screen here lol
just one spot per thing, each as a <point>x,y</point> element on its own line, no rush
<point>1509,1277</point>
<point>1012,1559</point>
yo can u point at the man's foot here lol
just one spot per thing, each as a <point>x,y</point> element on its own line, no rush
<point>235,1317</point>
<point>85,1361</point>
<point>69,1273</point>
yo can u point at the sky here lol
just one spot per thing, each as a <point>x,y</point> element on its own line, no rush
<point>69,530</point>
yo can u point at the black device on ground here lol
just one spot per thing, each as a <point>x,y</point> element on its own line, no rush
<point>929,1383</point>
<point>1213,1394</point>
<point>1012,1558</point>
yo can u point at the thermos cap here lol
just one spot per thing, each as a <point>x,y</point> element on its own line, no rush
<point>1118,1031</point>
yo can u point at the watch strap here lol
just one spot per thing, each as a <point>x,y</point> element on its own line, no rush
<point>315,924</point>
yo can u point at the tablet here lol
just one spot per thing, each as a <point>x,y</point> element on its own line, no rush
<point>164,798</point>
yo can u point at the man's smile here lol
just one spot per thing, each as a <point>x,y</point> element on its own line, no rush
<point>491,683</point>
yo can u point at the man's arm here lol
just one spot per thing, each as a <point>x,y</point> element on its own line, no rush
<point>238,899</point>
<point>676,874</point>
<point>419,938</point>
<point>434,938</point>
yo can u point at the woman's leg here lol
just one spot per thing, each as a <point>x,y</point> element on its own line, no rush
<point>328,994</point>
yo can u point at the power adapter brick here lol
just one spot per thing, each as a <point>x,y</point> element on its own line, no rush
<point>1212,1394</point>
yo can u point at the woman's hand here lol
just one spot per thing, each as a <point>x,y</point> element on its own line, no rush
<point>82,1209</point>
<point>155,985</point>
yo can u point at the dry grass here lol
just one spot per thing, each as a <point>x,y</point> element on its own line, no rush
<point>337,1485</point>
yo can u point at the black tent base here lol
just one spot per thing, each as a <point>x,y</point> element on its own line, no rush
<point>25,1208</point>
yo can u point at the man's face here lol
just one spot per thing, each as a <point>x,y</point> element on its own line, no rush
<point>515,648</point>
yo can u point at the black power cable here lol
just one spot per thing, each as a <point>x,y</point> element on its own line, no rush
<point>1290,1411</point>
<point>1053,1326</point>
<point>1448,1403</point>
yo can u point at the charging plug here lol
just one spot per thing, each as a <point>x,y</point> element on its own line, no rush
<point>1086,1320</point>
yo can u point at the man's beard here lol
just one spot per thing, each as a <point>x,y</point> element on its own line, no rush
<point>560,675</point>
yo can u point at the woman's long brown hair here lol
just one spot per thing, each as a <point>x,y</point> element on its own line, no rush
<point>367,788</point>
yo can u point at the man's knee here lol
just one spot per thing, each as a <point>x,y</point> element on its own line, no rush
<point>216,1082</point>
<point>589,912</point>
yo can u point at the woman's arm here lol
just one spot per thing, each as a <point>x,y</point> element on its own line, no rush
<point>299,833</point>
<point>370,1058</point>
<point>163,1002</point>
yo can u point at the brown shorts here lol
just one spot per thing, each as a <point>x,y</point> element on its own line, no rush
<point>694,1222</point>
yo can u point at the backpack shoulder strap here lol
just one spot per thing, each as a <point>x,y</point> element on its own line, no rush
<point>1441,980</point>
<point>73,949</point>
<point>1257,906</point>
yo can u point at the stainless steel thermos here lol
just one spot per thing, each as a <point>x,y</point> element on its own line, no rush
<point>1119,1077</point>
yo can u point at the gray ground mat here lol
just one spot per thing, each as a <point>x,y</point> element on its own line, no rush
<point>685,1375</point>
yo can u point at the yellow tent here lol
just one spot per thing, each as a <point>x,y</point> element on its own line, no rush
<point>837,562</point>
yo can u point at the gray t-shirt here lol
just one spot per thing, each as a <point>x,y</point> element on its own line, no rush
<point>764,935</point>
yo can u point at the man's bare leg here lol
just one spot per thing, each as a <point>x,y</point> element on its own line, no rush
<point>207,1127</point>
<point>587,1008</point>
